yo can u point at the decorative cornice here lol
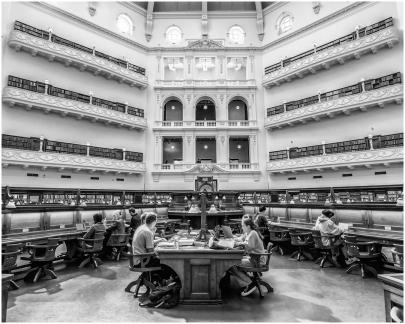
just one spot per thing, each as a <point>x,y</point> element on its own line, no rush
<point>344,104</point>
<point>68,161</point>
<point>134,7</point>
<point>367,158</point>
<point>212,168</point>
<point>274,6</point>
<point>333,16</point>
<point>88,24</point>
<point>338,54</point>
<point>31,99</point>
<point>197,14</point>
<point>214,84</point>
<point>202,44</point>
<point>205,125</point>
<point>85,61</point>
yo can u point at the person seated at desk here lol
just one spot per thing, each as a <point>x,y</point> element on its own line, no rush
<point>252,242</point>
<point>135,220</point>
<point>118,227</point>
<point>326,225</point>
<point>261,222</point>
<point>143,240</point>
<point>97,227</point>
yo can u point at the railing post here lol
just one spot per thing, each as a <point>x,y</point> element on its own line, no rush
<point>363,88</point>
<point>46,86</point>
<point>41,143</point>
<point>50,31</point>
<point>314,48</point>
<point>126,107</point>
<point>123,154</point>
<point>281,63</point>
<point>370,138</point>
<point>285,106</point>
<point>88,149</point>
<point>288,152</point>
<point>91,97</point>
<point>94,50</point>
<point>319,95</point>
<point>323,147</point>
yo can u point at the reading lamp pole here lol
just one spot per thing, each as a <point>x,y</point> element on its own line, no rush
<point>202,236</point>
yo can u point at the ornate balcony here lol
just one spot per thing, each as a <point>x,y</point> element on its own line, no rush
<point>29,99</point>
<point>205,125</point>
<point>350,160</point>
<point>189,170</point>
<point>38,42</point>
<point>338,51</point>
<point>206,84</point>
<point>331,107</point>
<point>68,161</point>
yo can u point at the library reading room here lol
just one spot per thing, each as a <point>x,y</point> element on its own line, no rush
<point>202,161</point>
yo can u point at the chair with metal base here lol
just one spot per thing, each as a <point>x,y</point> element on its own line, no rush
<point>42,257</point>
<point>326,250</point>
<point>365,253</point>
<point>398,256</point>
<point>280,238</point>
<point>9,261</point>
<point>302,241</point>
<point>90,249</point>
<point>257,273</point>
<point>145,279</point>
<point>118,242</point>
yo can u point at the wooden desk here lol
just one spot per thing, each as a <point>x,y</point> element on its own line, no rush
<point>393,292</point>
<point>384,237</point>
<point>213,219</point>
<point>5,283</point>
<point>200,271</point>
<point>293,225</point>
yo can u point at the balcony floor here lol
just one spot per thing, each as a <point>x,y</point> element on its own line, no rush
<point>302,292</point>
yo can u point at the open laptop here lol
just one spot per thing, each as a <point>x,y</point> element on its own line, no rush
<point>227,231</point>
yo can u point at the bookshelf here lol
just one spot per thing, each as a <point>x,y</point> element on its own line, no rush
<point>298,152</point>
<point>278,155</point>
<point>61,147</point>
<point>21,143</point>
<point>59,40</point>
<point>107,153</point>
<point>388,22</point>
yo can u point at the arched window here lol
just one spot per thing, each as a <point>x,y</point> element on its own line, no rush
<point>173,35</point>
<point>124,24</point>
<point>236,35</point>
<point>284,23</point>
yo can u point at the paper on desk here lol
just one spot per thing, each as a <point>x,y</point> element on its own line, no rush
<point>227,243</point>
<point>165,244</point>
<point>344,226</point>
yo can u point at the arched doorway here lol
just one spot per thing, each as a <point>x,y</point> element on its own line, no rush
<point>237,110</point>
<point>205,110</point>
<point>173,110</point>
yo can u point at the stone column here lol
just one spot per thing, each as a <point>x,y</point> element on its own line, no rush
<point>253,148</point>
<point>158,149</point>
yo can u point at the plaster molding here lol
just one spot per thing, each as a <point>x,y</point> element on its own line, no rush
<point>214,84</point>
<point>188,169</point>
<point>48,103</point>
<point>85,61</point>
<point>78,20</point>
<point>387,36</point>
<point>360,158</point>
<point>201,125</point>
<point>353,102</point>
<point>134,7</point>
<point>69,161</point>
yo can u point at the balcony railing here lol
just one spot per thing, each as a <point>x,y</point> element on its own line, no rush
<point>206,124</point>
<point>34,151</point>
<point>379,149</point>
<point>361,41</point>
<point>358,96</point>
<point>168,84</point>
<point>206,167</point>
<point>49,98</point>
<point>37,41</point>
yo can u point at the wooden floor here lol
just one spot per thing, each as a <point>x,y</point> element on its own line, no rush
<point>303,292</point>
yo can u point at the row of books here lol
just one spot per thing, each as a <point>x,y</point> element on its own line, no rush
<point>59,40</point>
<point>388,22</point>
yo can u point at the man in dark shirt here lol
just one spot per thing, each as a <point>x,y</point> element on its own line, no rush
<point>135,219</point>
<point>261,222</point>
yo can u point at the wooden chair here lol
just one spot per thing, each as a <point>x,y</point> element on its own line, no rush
<point>302,241</point>
<point>326,250</point>
<point>256,273</point>
<point>118,242</point>
<point>398,256</point>
<point>145,279</point>
<point>41,257</point>
<point>9,261</point>
<point>91,248</point>
<point>365,252</point>
<point>279,237</point>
